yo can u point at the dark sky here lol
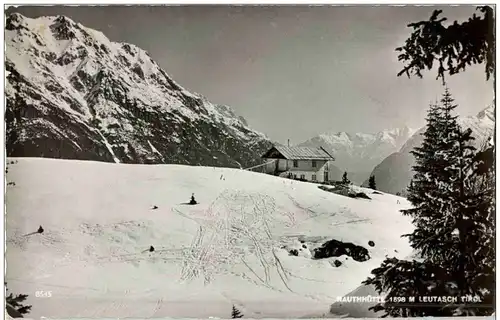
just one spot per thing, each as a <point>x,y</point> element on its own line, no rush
<point>291,71</point>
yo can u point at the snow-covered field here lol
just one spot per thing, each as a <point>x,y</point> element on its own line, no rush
<point>93,259</point>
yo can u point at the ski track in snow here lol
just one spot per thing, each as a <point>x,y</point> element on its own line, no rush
<point>213,244</point>
<point>94,252</point>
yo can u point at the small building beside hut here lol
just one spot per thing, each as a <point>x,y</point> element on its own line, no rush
<point>304,163</point>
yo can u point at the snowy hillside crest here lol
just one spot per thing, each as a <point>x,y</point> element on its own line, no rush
<point>72,93</point>
<point>233,247</point>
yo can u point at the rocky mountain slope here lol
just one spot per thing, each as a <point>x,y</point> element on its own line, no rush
<point>394,173</point>
<point>358,153</point>
<point>73,94</point>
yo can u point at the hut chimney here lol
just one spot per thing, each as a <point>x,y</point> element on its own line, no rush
<point>288,142</point>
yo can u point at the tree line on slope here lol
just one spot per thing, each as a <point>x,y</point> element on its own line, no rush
<point>371,181</point>
<point>453,188</point>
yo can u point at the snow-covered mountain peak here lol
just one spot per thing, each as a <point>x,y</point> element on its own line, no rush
<point>359,152</point>
<point>390,135</point>
<point>66,45</point>
<point>112,89</point>
<point>364,136</point>
<point>487,114</point>
<point>395,135</point>
<point>332,136</point>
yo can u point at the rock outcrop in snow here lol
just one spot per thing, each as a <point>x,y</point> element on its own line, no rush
<point>358,153</point>
<point>394,173</point>
<point>72,93</point>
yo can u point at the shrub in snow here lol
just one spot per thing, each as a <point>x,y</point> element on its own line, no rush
<point>235,314</point>
<point>193,200</point>
<point>294,252</point>
<point>337,263</point>
<point>371,183</point>
<point>345,180</point>
<point>371,243</point>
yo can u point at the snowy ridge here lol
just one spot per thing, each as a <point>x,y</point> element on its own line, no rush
<point>111,99</point>
<point>394,173</point>
<point>230,249</point>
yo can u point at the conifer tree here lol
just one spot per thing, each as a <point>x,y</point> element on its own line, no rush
<point>235,314</point>
<point>411,278</point>
<point>431,183</point>
<point>16,302</point>
<point>345,180</point>
<point>371,183</point>
<point>451,46</point>
<point>193,200</point>
<point>451,193</point>
<point>477,224</point>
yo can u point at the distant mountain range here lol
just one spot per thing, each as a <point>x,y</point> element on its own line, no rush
<point>394,173</point>
<point>73,94</point>
<point>358,153</point>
